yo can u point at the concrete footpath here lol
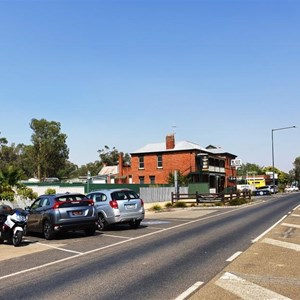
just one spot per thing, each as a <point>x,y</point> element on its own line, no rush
<point>269,269</point>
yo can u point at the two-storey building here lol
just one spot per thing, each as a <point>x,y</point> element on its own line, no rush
<point>153,163</point>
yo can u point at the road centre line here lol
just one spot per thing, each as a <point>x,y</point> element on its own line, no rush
<point>246,290</point>
<point>290,225</point>
<point>234,256</point>
<point>269,229</point>
<point>282,244</point>
<point>189,291</point>
<point>119,243</point>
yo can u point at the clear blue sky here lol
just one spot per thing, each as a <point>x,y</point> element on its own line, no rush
<point>122,73</point>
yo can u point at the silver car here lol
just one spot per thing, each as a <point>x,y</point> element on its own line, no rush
<point>118,206</point>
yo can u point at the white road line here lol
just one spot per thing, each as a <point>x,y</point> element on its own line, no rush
<point>119,243</point>
<point>58,248</point>
<point>287,245</point>
<point>117,236</point>
<point>246,290</point>
<point>290,225</point>
<point>265,232</point>
<point>234,256</point>
<point>189,291</point>
<point>295,215</point>
<point>296,208</point>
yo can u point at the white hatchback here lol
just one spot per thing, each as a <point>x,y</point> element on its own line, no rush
<point>118,206</point>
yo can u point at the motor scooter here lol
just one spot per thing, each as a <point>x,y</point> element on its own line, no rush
<point>12,223</point>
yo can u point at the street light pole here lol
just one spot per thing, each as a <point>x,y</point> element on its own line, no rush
<point>273,168</point>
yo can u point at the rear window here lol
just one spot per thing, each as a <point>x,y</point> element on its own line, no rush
<point>124,195</point>
<point>73,200</point>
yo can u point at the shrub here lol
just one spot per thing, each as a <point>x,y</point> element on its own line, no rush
<point>237,201</point>
<point>180,204</point>
<point>50,191</point>
<point>168,205</point>
<point>7,195</point>
<point>27,193</point>
<point>156,207</point>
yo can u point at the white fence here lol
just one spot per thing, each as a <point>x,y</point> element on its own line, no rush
<point>149,195</point>
<point>159,194</point>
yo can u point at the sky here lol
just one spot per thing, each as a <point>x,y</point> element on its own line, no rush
<point>125,73</point>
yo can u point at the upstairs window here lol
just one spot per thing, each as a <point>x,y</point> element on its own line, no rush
<point>159,161</point>
<point>141,162</point>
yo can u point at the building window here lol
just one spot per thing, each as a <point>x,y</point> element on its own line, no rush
<point>141,162</point>
<point>159,161</point>
<point>142,179</point>
<point>152,179</point>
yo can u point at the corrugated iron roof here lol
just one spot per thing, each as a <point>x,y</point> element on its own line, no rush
<point>109,170</point>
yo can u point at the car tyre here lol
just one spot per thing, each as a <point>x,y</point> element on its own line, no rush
<point>134,223</point>
<point>48,231</point>
<point>102,224</point>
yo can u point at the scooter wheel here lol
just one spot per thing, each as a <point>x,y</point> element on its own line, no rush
<point>17,238</point>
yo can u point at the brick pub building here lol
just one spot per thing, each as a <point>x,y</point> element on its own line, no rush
<point>153,163</point>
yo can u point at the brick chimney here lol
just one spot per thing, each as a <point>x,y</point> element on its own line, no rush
<point>170,141</point>
<point>120,163</point>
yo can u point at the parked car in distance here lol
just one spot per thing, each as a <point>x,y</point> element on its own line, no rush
<point>50,214</point>
<point>118,206</point>
<point>269,188</point>
<point>261,192</point>
<point>290,189</point>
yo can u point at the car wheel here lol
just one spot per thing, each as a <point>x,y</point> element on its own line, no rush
<point>102,224</point>
<point>134,223</point>
<point>48,231</point>
<point>90,231</point>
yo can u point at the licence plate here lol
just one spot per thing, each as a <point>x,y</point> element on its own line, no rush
<point>129,206</point>
<point>77,213</point>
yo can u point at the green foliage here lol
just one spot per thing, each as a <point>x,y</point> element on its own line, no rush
<point>156,207</point>
<point>49,148</point>
<point>237,201</point>
<point>296,171</point>
<point>94,168</point>
<point>111,157</point>
<point>26,192</point>
<point>168,205</point>
<point>10,176</point>
<point>50,191</point>
<point>182,179</point>
<point>7,195</point>
<point>248,167</point>
<point>180,204</point>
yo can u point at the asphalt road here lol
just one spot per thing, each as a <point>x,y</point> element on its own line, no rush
<point>168,254</point>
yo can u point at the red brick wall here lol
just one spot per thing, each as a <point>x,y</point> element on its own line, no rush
<point>183,161</point>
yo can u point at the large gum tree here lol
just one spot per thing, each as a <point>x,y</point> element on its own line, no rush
<point>49,148</point>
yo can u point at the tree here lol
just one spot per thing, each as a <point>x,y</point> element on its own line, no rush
<point>111,157</point>
<point>248,167</point>
<point>49,148</point>
<point>183,180</point>
<point>297,170</point>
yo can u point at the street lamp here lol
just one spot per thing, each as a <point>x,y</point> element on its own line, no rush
<point>273,169</point>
